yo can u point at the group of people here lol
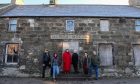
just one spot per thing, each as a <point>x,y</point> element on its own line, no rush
<point>88,63</point>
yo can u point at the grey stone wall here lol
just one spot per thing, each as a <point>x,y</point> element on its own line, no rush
<point>121,35</point>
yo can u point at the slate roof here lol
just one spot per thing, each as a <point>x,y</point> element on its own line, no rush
<point>75,10</point>
<point>2,5</point>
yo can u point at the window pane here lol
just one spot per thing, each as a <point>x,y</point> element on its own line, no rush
<point>137,22</point>
<point>13,27</point>
<point>106,57</point>
<point>32,22</point>
<point>104,25</point>
<point>137,28</point>
<point>13,21</point>
<point>70,25</point>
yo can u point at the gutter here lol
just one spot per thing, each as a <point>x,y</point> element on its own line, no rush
<point>70,16</point>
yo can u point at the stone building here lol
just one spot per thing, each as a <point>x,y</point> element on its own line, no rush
<point>112,30</point>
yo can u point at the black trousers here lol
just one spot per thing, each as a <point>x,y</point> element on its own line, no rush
<point>44,68</point>
<point>75,66</point>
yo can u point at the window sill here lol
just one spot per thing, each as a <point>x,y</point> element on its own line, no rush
<point>11,65</point>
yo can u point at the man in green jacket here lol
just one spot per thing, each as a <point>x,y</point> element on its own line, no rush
<point>94,62</point>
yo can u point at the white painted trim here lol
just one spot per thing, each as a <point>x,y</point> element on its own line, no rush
<point>6,54</point>
<point>10,63</point>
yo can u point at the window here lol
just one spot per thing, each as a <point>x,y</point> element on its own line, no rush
<point>137,25</point>
<point>104,25</point>
<point>105,53</point>
<point>70,25</point>
<point>136,49</point>
<point>33,25</point>
<point>12,25</point>
<point>32,22</point>
<point>12,52</point>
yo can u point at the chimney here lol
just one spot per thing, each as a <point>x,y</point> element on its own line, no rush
<point>17,2</point>
<point>135,3</point>
<point>53,2</point>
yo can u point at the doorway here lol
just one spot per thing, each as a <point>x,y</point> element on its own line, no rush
<point>71,46</point>
<point>136,52</point>
<point>106,54</point>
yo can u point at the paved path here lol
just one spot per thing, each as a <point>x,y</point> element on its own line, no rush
<point>44,81</point>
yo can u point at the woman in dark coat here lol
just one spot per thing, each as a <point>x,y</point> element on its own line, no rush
<point>85,63</point>
<point>75,61</point>
<point>46,61</point>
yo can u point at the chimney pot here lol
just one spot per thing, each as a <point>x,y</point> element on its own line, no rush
<point>135,3</point>
<point>17,2</point>
<point>53,2</point>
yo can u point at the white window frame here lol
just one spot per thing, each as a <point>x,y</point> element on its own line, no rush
<point>10,63</point>
<point>104,25</point>
<point>32,22</point>
<point>101,56</point>
<point>137,25</point>
<point>12,25</point>
<point>70,27</point>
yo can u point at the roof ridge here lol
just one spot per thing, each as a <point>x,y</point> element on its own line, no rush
<point>6,8</point>
<point>73,5</point>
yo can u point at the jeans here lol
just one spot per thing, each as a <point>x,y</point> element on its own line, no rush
<point>55,71</point>
<point>95,68</point>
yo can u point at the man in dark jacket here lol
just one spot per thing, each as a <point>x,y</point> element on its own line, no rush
<point>75,61</point>
<point>94,62</point>
<point>46,61</point>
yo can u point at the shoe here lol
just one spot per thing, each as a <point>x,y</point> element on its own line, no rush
<point>96,78</point>
<point>54,80</point>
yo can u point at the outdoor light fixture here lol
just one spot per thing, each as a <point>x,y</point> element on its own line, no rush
<point>87,38</point>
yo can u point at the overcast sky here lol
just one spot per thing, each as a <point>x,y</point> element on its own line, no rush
<point>112,2</point>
